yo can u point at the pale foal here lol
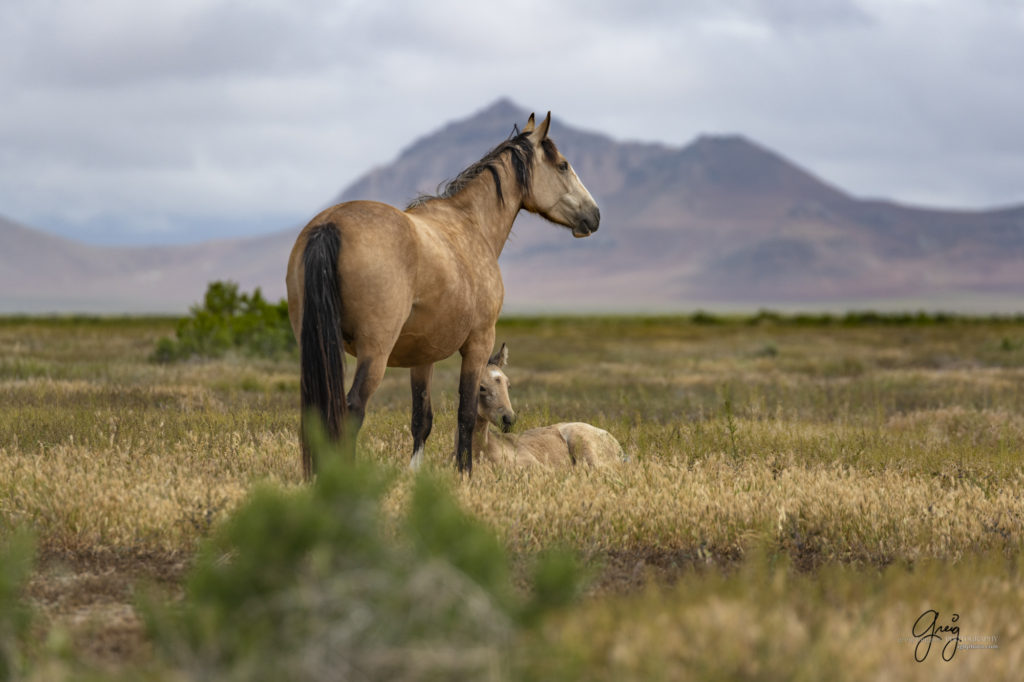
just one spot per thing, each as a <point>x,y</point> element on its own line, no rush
<point>559,445</point>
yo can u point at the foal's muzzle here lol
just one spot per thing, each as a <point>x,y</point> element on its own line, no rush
<point>506,422</point>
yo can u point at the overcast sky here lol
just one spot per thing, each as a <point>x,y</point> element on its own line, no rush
<point>155,122</point>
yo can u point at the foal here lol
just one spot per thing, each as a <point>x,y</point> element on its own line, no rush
<point>561,445</point>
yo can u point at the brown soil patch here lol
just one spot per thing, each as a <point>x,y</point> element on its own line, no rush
<point>89,602</point>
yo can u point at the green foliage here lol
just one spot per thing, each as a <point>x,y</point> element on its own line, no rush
<point>229,320</point>
<point>318,583</point>
<point>556,583</point>
<point>1010,345</point>
<point>16,552</point>
<point>440,528</point>
<point>872,318</point>
<point>704,317</point>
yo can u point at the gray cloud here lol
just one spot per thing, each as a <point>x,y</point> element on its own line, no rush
<point>181,120</point>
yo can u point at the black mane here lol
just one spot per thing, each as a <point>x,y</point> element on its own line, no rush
<point>520,151</point>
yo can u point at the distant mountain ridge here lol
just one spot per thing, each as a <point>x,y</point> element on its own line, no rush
<point>719,222</point>
<point>43,273</point>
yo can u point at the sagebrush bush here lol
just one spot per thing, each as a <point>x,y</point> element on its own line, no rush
<point>229,320</point>
<point>17,550</point>
<point>316,583</point>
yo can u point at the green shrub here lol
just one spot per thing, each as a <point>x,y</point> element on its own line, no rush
<point>229,320</point>
<point>704,317</point>
<point>318,583</point>
<point>16,552</point>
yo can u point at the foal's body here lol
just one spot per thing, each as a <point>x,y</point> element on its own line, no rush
<point>410,288</point>
<point>559,445</point>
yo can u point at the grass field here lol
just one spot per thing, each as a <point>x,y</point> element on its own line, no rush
<point>798,492</point>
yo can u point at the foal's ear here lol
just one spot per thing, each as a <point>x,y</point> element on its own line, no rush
<point>528,128</point>
<point>499,359</point>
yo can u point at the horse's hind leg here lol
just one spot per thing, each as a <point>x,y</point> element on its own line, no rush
<point>422,414</point>
<point>369,373</point>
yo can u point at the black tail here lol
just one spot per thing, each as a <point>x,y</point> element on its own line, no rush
<point>323,353</point>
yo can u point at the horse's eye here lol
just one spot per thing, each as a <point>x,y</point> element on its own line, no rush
<point>483,390</point>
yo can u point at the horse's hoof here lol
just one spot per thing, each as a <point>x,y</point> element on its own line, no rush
<point>417,460</point>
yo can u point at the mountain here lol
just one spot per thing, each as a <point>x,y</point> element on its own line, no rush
<point>719,222</point>
<point>43,273</point>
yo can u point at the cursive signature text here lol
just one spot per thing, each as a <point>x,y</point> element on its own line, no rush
<point>927,629</point>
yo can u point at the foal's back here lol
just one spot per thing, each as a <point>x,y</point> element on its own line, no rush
<point>563,445</point>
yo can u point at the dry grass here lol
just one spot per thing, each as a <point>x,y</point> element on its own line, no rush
<point>799,487</point>
<point>711,509</point>
<point>140,470</point>
<point>767,622</point>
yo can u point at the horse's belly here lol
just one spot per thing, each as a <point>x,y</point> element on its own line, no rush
<point>416,352</point>
<point>418,345</point>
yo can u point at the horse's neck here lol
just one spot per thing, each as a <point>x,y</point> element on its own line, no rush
<point>480,212</point>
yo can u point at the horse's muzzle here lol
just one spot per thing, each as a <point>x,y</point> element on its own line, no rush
<point>507,422</point>
<point>587,223</point>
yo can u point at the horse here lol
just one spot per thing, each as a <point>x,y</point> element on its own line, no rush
<point>408,288</point>
<point>559,445</point>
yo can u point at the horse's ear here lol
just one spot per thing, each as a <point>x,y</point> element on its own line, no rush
<point>528,128</point>
<point>499,359</point>
<point>542,131</point>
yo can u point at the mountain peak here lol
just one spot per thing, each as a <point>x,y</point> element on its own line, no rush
<point>482,129</point>
<point>503,107</point>
<point>735,162</point>
<point>731,147</point>
<point>713,140</point>
<point>438,155</point>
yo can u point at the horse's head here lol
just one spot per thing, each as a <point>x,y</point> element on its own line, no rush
<point>493,403</point>
<point>555,191</point>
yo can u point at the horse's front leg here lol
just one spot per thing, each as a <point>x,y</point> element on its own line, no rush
<point>422,414</point>
<point>474,356</point>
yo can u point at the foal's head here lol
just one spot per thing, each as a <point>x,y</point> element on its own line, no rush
<point>555,191</point>
<point>493,404</point>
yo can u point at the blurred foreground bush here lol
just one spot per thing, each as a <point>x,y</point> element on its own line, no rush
<point>318,583</point>
<point>229,320</point>
<point>16,553</point>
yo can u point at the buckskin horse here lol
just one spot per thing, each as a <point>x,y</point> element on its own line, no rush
<point>409,288</point>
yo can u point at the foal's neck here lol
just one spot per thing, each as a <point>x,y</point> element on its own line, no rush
<point>484,442</point>
<point>480,435</point>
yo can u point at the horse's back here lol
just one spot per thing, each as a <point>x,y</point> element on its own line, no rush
<point>371,234</point>
<point>400,284</point>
